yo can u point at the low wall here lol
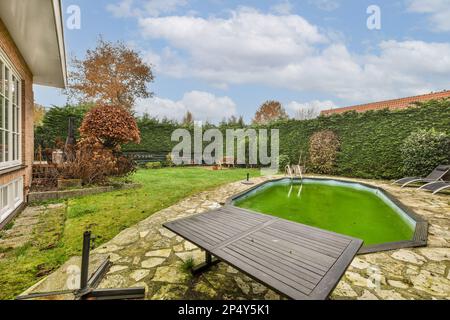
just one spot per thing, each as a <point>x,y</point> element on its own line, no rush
<point>65,194</point>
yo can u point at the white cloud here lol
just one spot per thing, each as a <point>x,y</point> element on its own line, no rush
<point>152,8</point>
<point>238,49</point>
<point>309,109</point>
<point>246,34</point>
<point>156,7</point>
<point>167,61</point>
<point>407,67</point>
<point>203,105</point>
<point>283,8</point>
<point>326,5</point>
<point>439,11</point>
<point>122,9</point>
<point>250,47</point>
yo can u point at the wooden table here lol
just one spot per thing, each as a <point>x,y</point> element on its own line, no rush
<point>298,261</point>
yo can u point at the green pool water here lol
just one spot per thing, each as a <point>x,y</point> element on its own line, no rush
<point>348,209</point>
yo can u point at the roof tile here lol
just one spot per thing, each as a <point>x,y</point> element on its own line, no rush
<point>401,103</point>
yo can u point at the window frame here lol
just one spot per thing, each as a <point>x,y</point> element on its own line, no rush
<point>13,199</point>
<point>14,131</point>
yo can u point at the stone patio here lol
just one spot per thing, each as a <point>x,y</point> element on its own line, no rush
<point>23,227</point>
<point>150,256</point>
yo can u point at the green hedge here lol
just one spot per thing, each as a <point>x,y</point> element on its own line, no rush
<point>370,142</point>
<point>55,124</point>
<point>155,136</point>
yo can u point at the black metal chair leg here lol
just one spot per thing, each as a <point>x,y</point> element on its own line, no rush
<point>88,285</point>
<point>209,262</point>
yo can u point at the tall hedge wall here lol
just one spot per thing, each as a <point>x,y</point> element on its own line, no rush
<point>370,141</point>
<point>156,135</point>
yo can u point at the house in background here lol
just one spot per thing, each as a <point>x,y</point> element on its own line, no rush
<point>31,52</point>
<point>391,104</point>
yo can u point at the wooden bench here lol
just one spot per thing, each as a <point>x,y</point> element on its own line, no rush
<point>296,260</point>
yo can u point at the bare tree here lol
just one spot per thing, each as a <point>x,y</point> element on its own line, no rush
<point>188,119</point>
<point>307,113</point>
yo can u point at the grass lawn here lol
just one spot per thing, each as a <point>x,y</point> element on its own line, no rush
<point>105,215</point>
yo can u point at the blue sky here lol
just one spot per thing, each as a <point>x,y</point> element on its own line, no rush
<point>219,58</point>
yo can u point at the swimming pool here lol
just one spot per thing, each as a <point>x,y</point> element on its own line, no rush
<point>353,209</point>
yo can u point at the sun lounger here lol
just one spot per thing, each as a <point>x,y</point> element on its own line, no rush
<point>435,176</point>
<point>436,187</point>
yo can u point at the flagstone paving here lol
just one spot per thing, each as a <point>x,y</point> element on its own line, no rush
<point>22,228</point>
<point>150,256</point>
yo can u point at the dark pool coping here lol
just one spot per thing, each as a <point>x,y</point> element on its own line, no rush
<point>420,236</point>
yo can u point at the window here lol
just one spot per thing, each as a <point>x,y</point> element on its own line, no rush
<point>11,197</point>
<point>10,115</point>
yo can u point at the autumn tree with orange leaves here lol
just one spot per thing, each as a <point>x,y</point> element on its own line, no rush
<point>270,111</point>
<point>97,155</point>
<point>111,74</point>
<point>111,77</point>
<point>112,125</point>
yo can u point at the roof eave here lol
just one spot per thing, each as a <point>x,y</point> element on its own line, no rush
<point>59,26</point>
<point>37,29</point>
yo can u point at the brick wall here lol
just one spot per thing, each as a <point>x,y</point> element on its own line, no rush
<point>391,104</point>
<point>15,58</point>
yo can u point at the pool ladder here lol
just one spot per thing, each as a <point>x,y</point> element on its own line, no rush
<point>294,172</point>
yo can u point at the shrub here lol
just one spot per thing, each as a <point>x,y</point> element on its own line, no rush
<point>125,166</point>
<point>93,163</point>
<point>153,165</point>
<point>323,149</point>
<point>169,161</point>
<point>424,150</point>
<point>112,125</point>
<point>188,265</point>
<point>283,161</point>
